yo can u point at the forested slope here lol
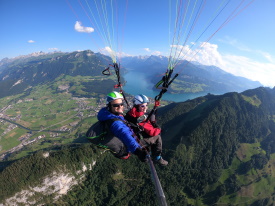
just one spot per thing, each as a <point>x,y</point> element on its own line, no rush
<point>220,151</point>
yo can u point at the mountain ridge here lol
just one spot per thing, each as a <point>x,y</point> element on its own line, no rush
<point>193,77</point>
<point>26,71</point>
<point>19,77</point>
<point>218,147</point>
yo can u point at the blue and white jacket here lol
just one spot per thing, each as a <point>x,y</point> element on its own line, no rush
<point>119,129</point>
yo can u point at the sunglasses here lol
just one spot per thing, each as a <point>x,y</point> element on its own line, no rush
<point>143,105</point>
<point>117,105</point>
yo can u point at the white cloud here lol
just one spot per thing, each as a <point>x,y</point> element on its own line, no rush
<point>53,49</point>
<point>107,50</point>
<point>79,28</point>
<point>207,54</point>
<point>263,72</point>
<point>31,41</point>
<point>267,56</point>
<point>157,53</point>
<point>113,54</point>
<point>235,43</point>
<point>246,67</point>
<point>241,47</point>
<point>147,49</point>
<point>182,52</point>
<point>123,54</point>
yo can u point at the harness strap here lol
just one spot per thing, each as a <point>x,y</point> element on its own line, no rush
<point>165,81</point>
<point>119,85</point>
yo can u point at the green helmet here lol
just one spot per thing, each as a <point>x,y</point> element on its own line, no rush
<point>112,96</point>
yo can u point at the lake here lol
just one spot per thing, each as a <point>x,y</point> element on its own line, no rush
<point>136,84</point>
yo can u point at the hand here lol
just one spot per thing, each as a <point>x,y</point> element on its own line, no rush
<point>142,154</point>
<point>153,118</point>
<point>155,125</point>
<point>141,118</point>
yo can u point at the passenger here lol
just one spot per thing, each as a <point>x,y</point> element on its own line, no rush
<point>149,130</point>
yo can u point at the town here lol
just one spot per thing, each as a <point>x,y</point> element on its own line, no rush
<point>11,123</point>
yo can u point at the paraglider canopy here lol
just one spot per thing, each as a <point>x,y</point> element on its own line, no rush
<point>193,23</point>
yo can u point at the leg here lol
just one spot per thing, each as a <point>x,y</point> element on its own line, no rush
<point>156,149</point>
<point>116,146</point>
<point>156,144</point>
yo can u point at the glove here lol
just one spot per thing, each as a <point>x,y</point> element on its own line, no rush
<point>141,153</point>
<point>153,118</point>
<point>155,125</point>
<point>141,118</point>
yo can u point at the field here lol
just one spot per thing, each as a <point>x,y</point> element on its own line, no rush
<point>256,184</point>
<point>49,115</point>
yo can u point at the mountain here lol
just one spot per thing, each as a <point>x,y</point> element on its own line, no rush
<point>226,140</point>
<point>193,77</point>
<point>220,148</point>
<point>21,74</point>
<point>146,63</point>
<point>4,63</point>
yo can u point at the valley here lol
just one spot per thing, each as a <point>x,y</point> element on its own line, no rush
<point>44,118</point>
<point>220,147</point>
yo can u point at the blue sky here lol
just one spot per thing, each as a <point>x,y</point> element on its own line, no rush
<point>243,47</point>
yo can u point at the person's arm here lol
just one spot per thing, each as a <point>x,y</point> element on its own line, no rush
<point>125,134</point>
<point>150,129</point>
<point>130,118</point>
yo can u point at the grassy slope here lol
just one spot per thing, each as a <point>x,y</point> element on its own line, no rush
<point>50,109</point>
<point>256,184</point>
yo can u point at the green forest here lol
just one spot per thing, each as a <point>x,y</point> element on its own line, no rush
<point>220,150</point>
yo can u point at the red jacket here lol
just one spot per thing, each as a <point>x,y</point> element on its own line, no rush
<point>148,127</point>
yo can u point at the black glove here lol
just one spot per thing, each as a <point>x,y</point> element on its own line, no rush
<point>141,153</point>
<point>155,125</point>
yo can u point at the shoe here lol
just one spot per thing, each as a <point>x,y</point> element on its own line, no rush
<point>160,161</point>
<point>125,157</point>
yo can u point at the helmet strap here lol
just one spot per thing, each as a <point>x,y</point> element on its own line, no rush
<point>137,107</point>
<point>109,107</point>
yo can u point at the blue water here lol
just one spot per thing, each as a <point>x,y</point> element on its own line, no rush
<point>136,83</point>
